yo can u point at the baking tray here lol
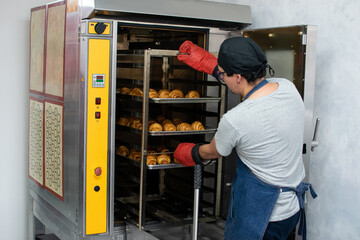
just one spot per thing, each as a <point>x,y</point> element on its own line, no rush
<point>151,167</point>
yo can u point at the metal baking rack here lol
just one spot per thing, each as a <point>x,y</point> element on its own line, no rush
<point>142,60</point>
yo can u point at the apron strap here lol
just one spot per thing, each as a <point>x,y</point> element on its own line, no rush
<point>300,193</point>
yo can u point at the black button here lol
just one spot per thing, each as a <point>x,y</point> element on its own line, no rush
<point>100,28</point>
<point>97,188</point>
<point>97,101</point>
<point>97,115</point>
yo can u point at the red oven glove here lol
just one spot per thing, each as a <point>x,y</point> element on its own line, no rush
<point>197,58</point>
<point>188,154</point>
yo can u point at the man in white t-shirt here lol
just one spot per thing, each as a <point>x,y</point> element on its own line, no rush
<point>266,130</point>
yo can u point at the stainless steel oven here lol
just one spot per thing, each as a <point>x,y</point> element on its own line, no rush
<point>97,168</point>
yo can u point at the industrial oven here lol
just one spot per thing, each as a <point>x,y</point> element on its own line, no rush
<point>102,74</point>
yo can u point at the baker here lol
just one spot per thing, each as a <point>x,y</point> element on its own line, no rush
<point>266,131</point>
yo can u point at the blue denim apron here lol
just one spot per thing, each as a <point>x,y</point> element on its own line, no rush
<point>252,201</point>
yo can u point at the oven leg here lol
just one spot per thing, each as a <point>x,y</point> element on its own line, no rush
<point>197,186</point>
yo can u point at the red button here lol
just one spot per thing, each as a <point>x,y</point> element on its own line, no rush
<point>98,171</point>
<point>98,101</point>
<point>97,115</point>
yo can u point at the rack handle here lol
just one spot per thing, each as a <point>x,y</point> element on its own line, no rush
<point>197,187</point>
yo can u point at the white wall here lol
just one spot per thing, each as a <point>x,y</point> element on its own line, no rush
<point>335,164</point>
<point>14,64</point>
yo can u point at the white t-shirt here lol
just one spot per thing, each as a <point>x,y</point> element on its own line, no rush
<point>267,133</point>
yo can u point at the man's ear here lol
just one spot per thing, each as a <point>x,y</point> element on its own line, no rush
<point>238,78</point>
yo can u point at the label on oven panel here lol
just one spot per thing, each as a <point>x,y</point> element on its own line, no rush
<point>98,80</point>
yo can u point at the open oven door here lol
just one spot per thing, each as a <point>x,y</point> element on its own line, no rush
<point>291,52</point>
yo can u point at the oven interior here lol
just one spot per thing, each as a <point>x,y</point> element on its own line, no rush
<point>160,194</point>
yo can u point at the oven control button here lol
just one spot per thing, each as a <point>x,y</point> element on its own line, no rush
<point>100,28</point>
<point>97,101</point>
<point>97,188</point>
<point>97,115</point>
<point>98,171</point>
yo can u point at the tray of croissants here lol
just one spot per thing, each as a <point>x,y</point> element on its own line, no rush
<point>163,126</point>
<point>158,157</point>
<point>168,96</point>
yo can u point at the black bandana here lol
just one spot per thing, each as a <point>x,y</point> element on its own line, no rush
<point>242,55</point>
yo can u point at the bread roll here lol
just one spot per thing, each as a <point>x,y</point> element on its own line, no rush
<point>192,94</point>
<point>197,126</point>
<point>123,151</point>
<point>163,159</point>
<point>155,127</point>
<point>123,121</point>
<point>176,161</point>
<point>136,92</point>
<point>176,93</point>
<point>125,90</point>
<point>177,121</point>
<point>151,151</point>
<point>169,127</point>
<point>184,127</point>
<point>151,160</point>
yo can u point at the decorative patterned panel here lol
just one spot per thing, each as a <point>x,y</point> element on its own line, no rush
<point>55,45</point>
<point>54,113</point>
<point>36,159</point>
<point>37,34</point>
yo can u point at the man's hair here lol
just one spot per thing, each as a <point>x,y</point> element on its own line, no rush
<point>250,77</point>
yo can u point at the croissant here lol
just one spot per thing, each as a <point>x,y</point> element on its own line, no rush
<point>151,151</point>
<point>125,90</point>
<point>163,159</point>
<point>165,121</point>
<point>169,127</point>
<point>151,121</point>
<point>177,121</point>
<point>136,124</point>
<point>153,93</point>
<point>192,94</point>
<point>183,127</point>
<point>151,160</point>
<point>135,156</point>
<point>134,119</point>
<point>123,151</point>
<point>177,93</point>
<point>155,127</point>
<point>160,148</point>
<point>123,121</point>
<point>176,161</point>
<point>160,118</point>
<point>164,150</point>
<point>197,126</point>
<point>164,94</point>
<point>136,92</point>
<point>164,90</point>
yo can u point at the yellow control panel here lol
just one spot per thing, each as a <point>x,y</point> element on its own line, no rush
<point>99,28</point>
<point>97,136</point>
